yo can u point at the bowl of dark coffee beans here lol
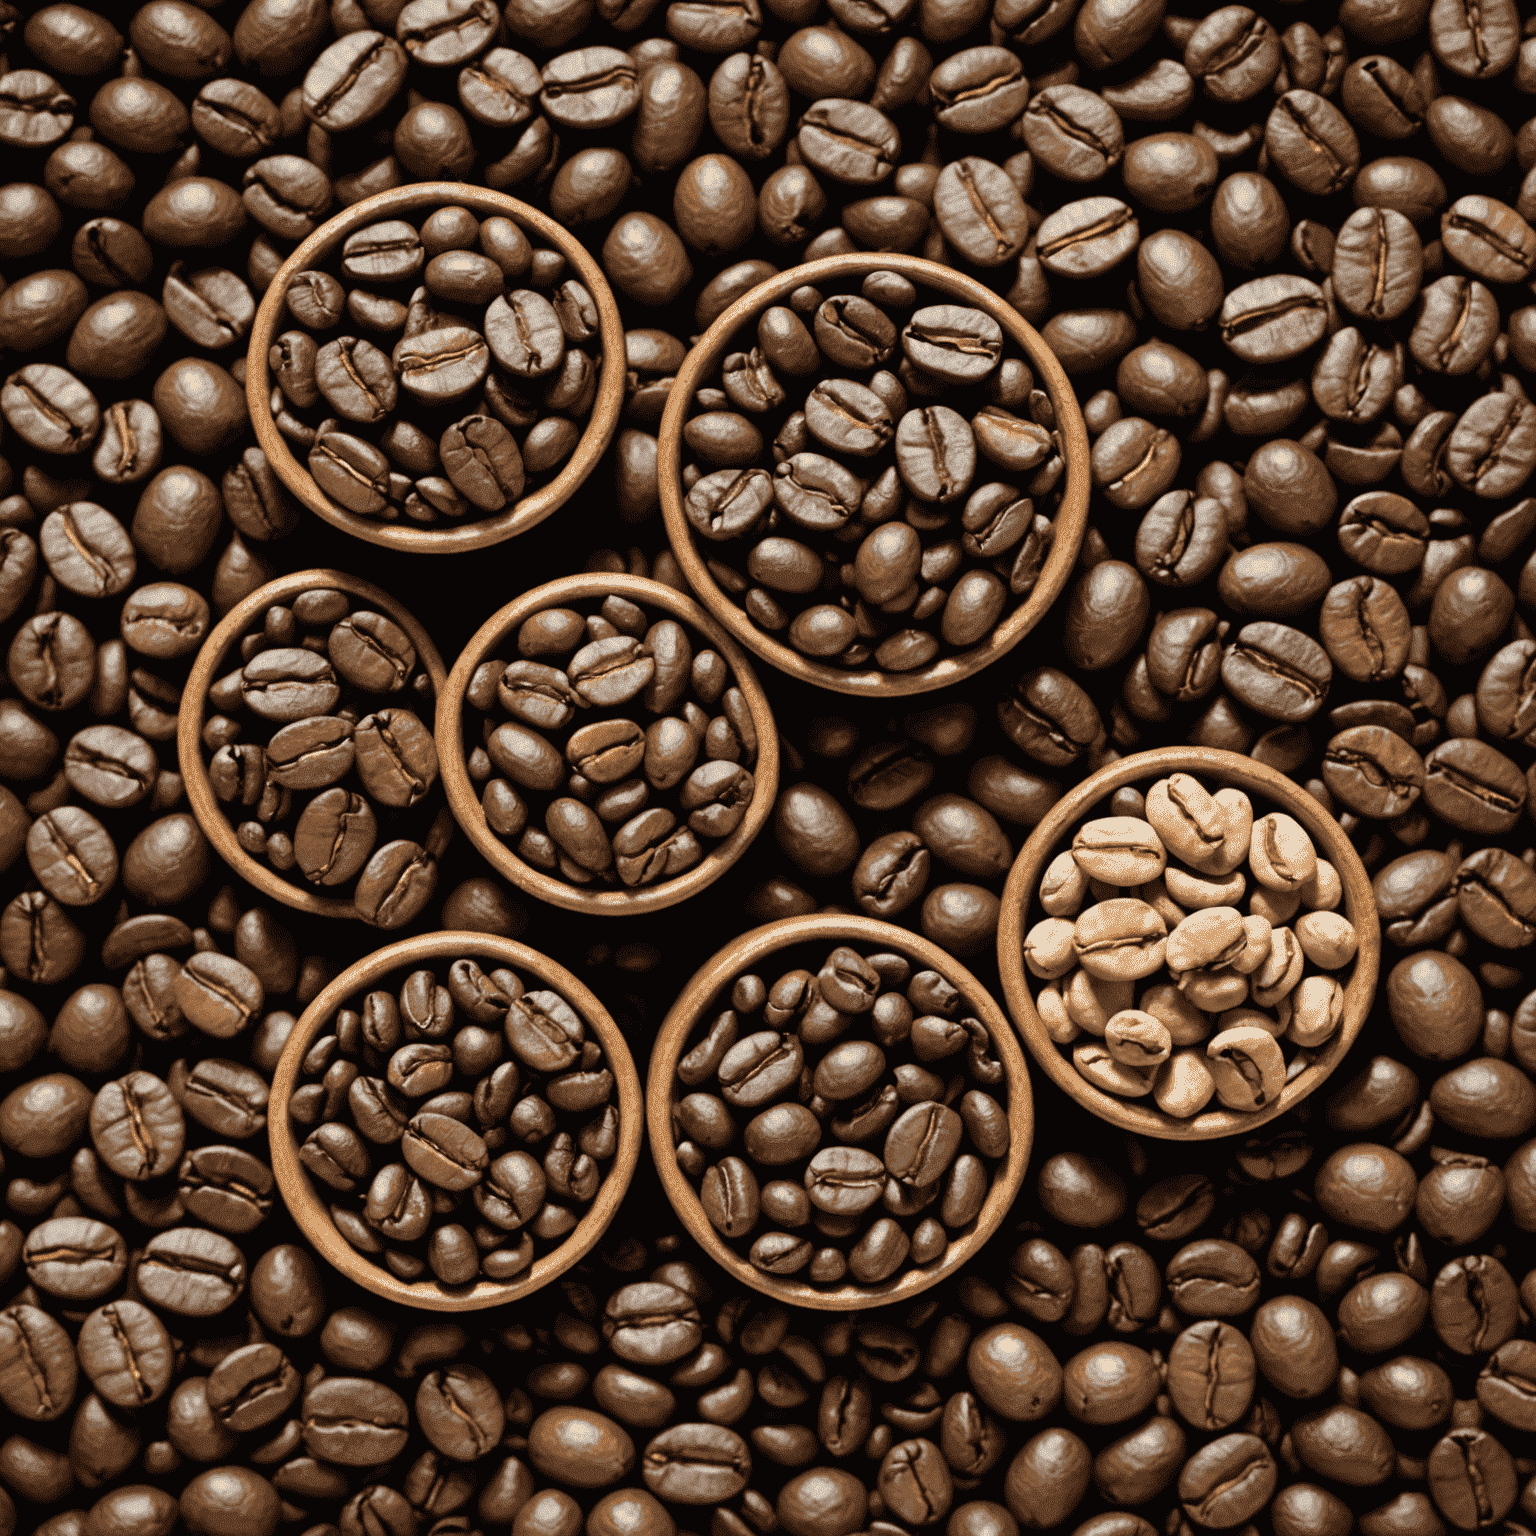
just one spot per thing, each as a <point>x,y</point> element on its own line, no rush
<point>606,745</point>
<point>437,368</point>
<point>454,1121</point>
<point>882,1103</point>
<point>1189,943</point>
<point>305,741</point>
<point>874,473</point>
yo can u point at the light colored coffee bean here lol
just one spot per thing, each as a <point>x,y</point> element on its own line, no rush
<point>1186,1024</point>
<point>1184,1084</point>
<point>1063,886</point>
<point>1092,1001</point>
<point>1256,930</point>
<point>1187,818</point>
<point>1238,809</point>
<point>1137,1039</point>
<point>1121,940</point>
<point>1119,850</point>
<point>1281,970</point>
<point>1210,939</point>
<point>1280,852</point>
<point>1250,1018</point>
<point>1328,939</point>
<point>1248,1066</point>
<point>1052,1008</point>
<point>1155,894</point>
<point>1194,892</point>
<point>1324,891</point>
<point>1275,907</point>
<point>1313,1011</point>
<point>1048,948</point>
<point>1104,1072</point>
<point>1214,991</point>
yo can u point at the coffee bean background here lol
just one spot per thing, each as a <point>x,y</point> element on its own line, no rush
<point>1283,253</point>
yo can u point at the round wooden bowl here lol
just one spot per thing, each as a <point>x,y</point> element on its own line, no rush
<point>1071,517</point>
<point>748,952</point>
<point>211,663</point>
<point>309,1210</point>
<point>453,538</point>
<point>1020,910</point>
<point>464,797</point>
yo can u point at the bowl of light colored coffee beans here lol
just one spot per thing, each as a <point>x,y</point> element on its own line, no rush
<point>1188,943</point>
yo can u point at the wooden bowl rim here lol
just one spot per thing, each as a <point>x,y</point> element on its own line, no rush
<point>206,810</point>
<point>465,804</point>
<point>1020,894</point>
<point>743,953</point>
<point>1071,516</point>
<point>528,511</point>
<point>298,1190</point>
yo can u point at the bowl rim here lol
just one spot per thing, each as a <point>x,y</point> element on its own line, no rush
<point>190,714</point>
<point>1045,841</point>
<point>528,511</point>
<point>743,953</point>
<point>464,801</point>
<point>298,1191</point>
<point>1071,518</point>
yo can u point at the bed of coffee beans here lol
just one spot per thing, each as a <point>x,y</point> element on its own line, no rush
<point>1283,252</point>
<point>320,773</point>
<point>456,1131</point>
<point>839,482</point>
<point>1240,987</point>
<point>872,1113</point>
<point>616,750</point>
<point>427,376</point>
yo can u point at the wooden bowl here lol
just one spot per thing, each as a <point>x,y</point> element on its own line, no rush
<point>748,952</point>
<point>210,665</point>
<point>306,1206</point>
<point>464,797</point>
<point>1215,769</point>
<point>1071,517</point>
<point>454,538</point>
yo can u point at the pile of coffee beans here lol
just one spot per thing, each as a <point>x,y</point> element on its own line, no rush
<point>456,1130</point>
<point>854,515</point>
<point>426,379</point>
<point>1284,255</point>
<point>1153,891</point>
<point>315,769</point>
<point>621,730</point>
<point>872,1111</point>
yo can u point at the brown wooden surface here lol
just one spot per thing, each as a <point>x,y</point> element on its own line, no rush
<point>212,661</point>
<point>1071,517</point>
<point>753,951</point>
<point>451,537</point>
<point>1021,910</point>
<point>306,1206</point>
